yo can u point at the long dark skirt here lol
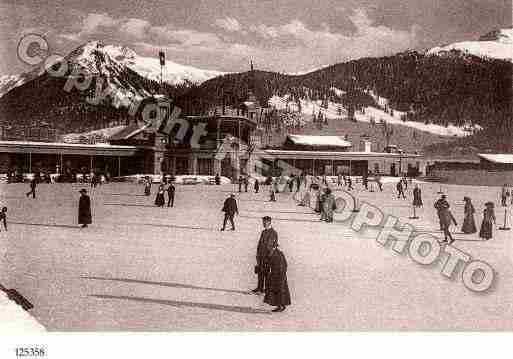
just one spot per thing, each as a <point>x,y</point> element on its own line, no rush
<point>277,292</point>
<point>486,230</point>
<point>160,200</point>
<point>469,224</point>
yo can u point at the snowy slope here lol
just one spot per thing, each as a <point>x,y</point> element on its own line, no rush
<point>309,107</point>
<point>497,45</point>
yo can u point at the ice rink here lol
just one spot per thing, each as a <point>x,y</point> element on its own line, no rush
<point>143,268</point>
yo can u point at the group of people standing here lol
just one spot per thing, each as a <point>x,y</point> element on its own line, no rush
<point>446,218</point>
<point>164,187</point>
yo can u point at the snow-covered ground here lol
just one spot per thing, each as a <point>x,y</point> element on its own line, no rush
<point>336,111</point>
<point>138,267</point>
<point>15,320</point>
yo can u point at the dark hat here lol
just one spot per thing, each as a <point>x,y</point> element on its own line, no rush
<point>266,219</point>
<point>489,204</point>
<point>444,196</point>
<point>83,190</point>
<point>466,198</point>
<point>232,195</point>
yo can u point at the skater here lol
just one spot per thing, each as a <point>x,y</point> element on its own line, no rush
<point>400,190</point>
<point>229,209</point>
<point>291,183</point>
<point>486,230</point>
<point>147,186</point>
<point>378,181</point>
<point>272,191</point>
<point>405,182</point>
<point>447,219</point>
<point>298,183</point>
<point>339,180</point>
<point>417,197</point>
<point>276,288</point>
<point>256,185</point>
<point>317,197</point>
<point>33,184</point>
<point>240,184</point>
<point>217,179</point>
<point>160,199</point>
<point>365,181</point>
<point>504,195</point>
<point>469,224</point>
<point>246,183</point>
<point>170,195</point>
<point>267,239</point>
<point>84,209</point>
<point>441,205</point>
<point>349,183</point>
<point>328,206</point>
<point>3,217</point>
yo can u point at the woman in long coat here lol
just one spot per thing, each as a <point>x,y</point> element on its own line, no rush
<point>147,186</point>
<point>486,230</point>
<point>160,199</point>
<point>84,209</point>
<point>328,205</point>
<point>417,197</point>
<point>276,288</point>
<point>469,224</point>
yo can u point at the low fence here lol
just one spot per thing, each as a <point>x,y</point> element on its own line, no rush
<point>475,177</point>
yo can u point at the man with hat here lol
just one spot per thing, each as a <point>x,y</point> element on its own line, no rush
<point>440,206</point>
<point>84,209</point>
<point>267,239</point>
<point>229,209</point>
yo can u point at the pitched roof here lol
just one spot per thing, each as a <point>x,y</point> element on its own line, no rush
<point>127,132</point>
<point>502,158</point>
<point>331,141</point>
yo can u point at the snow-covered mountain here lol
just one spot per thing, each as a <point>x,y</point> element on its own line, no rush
<point>110,60</point>
<point>497,44</point>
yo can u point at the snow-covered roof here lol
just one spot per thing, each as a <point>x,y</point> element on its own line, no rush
<point>127,132</point>
<point>503,158</point>
<point>332,141</point>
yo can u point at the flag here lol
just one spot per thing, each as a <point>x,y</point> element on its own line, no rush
<point>162,57</point>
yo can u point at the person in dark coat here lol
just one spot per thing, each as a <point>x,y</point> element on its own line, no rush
<point>3,217</point>
<point>240,183</point>
<point>276,288</point>
<point>267,239</point>
<point>33,184</point>
<point>246,183</point>
<point>417,196</point>
<point>229,209</point>
<point>84,209</point>
<point>217,179</point>
<point>160,200</point>
<point>440,206</point>
<point>170,195</point>
<point>257,185</point>
<point>400,190</point>
<point>469,224</point>
<point>291,183</point>
<point>447,219</point>
<point>147,186</point>
<point>486,231</point>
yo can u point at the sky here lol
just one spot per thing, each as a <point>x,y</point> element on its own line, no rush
<point>289,36</point>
